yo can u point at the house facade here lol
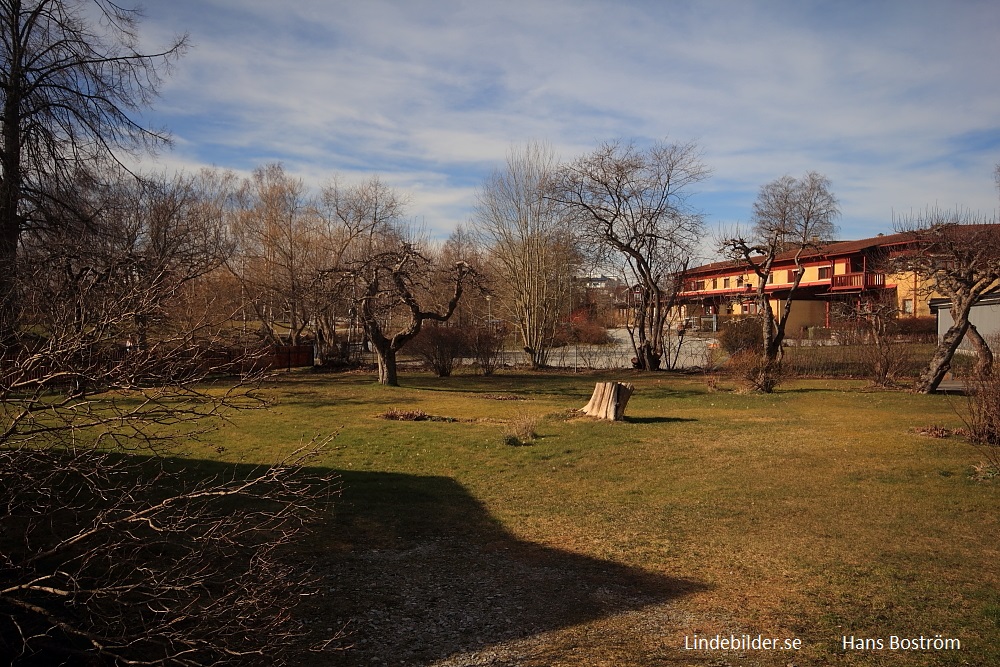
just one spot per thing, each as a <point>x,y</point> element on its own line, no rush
<point>843,274</point>
<point>985,315</point>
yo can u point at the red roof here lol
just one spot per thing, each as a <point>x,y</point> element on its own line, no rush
<point>832,249</point>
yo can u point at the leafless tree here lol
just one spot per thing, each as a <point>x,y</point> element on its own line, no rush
<point>529,245</point>
<point>876,319</point>
<point>396,282</point>
<point>957,255</point>
<point>355,223</point>
<point>111,552</point>
<point>72,81</point>
<point>277,233</point>
<point>633,205</point>
<point>790,217</point>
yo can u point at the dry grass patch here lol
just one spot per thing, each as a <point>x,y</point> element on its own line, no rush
<point>813,512</point>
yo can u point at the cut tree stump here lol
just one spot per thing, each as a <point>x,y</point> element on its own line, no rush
<point>609,400</point>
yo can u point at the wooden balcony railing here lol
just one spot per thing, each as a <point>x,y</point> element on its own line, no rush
<point>865,280</point>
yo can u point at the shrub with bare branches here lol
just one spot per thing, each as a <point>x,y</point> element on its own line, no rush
<point>755,373</point>
<point>486,346</point>
<point>120,559</point>
<point>111,551</point>
<point>440,347</point>
<point>982,413</point>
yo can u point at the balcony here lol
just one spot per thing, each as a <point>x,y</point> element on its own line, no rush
<point>858,281</point>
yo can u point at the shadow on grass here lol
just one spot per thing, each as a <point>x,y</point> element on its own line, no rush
<point>657,420</point>
<point>421,571</point>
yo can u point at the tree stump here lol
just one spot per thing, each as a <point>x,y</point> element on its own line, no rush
<point>609,400</point>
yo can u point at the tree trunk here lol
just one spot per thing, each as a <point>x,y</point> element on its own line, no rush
<point>9,306</point>
<point>940,363</point>
<point>386,366</point>
<point>649,360</point>
<point>984,355</point>
<point>609,400</point>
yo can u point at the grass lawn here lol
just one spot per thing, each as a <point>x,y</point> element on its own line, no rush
<point>812,514</point>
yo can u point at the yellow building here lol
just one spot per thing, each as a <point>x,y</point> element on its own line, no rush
<point>843,274</point>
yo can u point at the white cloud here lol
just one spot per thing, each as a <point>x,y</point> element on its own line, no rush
<point>896,102</point>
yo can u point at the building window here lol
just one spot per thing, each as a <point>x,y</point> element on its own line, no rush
<point>725,283</point>
<point>908,306</point>
<point>715,283</point>
<point>770,278</point>
<point>699,286</point>
<point>825,272</point>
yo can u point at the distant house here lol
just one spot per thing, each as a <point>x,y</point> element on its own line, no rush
<point>985,315</point>
<point>847,272</point>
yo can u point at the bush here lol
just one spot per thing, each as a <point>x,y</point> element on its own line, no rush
<point>982,416</point>
<point>917,329</point>
<point>588,332</point>
<point>396,414</point>
<point>744,335</point>
<point>520,430</point>
<point>754,373</point>
<point>440,346</point>
<point>486,346</point>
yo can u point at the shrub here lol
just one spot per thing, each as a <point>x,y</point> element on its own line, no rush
<point>754,373</point>
<point>486,346</point>
<point>917,329</point>
<point>743,335</point>
<point>982,415</point>
<point>440,347</point>
<point>588,332</point>
<point>520,430</point>
<point>396,414</point>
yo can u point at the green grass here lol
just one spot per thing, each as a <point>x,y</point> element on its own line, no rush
<point>814,512</point>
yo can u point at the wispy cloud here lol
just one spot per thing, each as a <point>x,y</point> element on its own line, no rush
<point>896,102</point>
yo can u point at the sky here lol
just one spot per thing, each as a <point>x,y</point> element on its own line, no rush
<point>897,102</point>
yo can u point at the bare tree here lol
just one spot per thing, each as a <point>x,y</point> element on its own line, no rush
<point>957,255</point>
<point>72,81</point>
<point>791,216</point>
<point>529,245</point>
<point>397,282</point>
<point>355,221</point>
<point>632,204</point>
<point>876,319</point>
<point>277,234</point>
<point>110,551</point>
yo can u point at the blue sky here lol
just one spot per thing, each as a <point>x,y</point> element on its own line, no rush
<point>897,102</point>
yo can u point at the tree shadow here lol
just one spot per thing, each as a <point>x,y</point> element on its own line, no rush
<point>657,420</point>
<point>420,570</point>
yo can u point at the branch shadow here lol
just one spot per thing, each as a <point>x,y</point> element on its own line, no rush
<point>422,571</point>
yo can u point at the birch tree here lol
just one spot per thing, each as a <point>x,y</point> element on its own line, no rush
<point>530,246</point>
<point>790,216</point>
